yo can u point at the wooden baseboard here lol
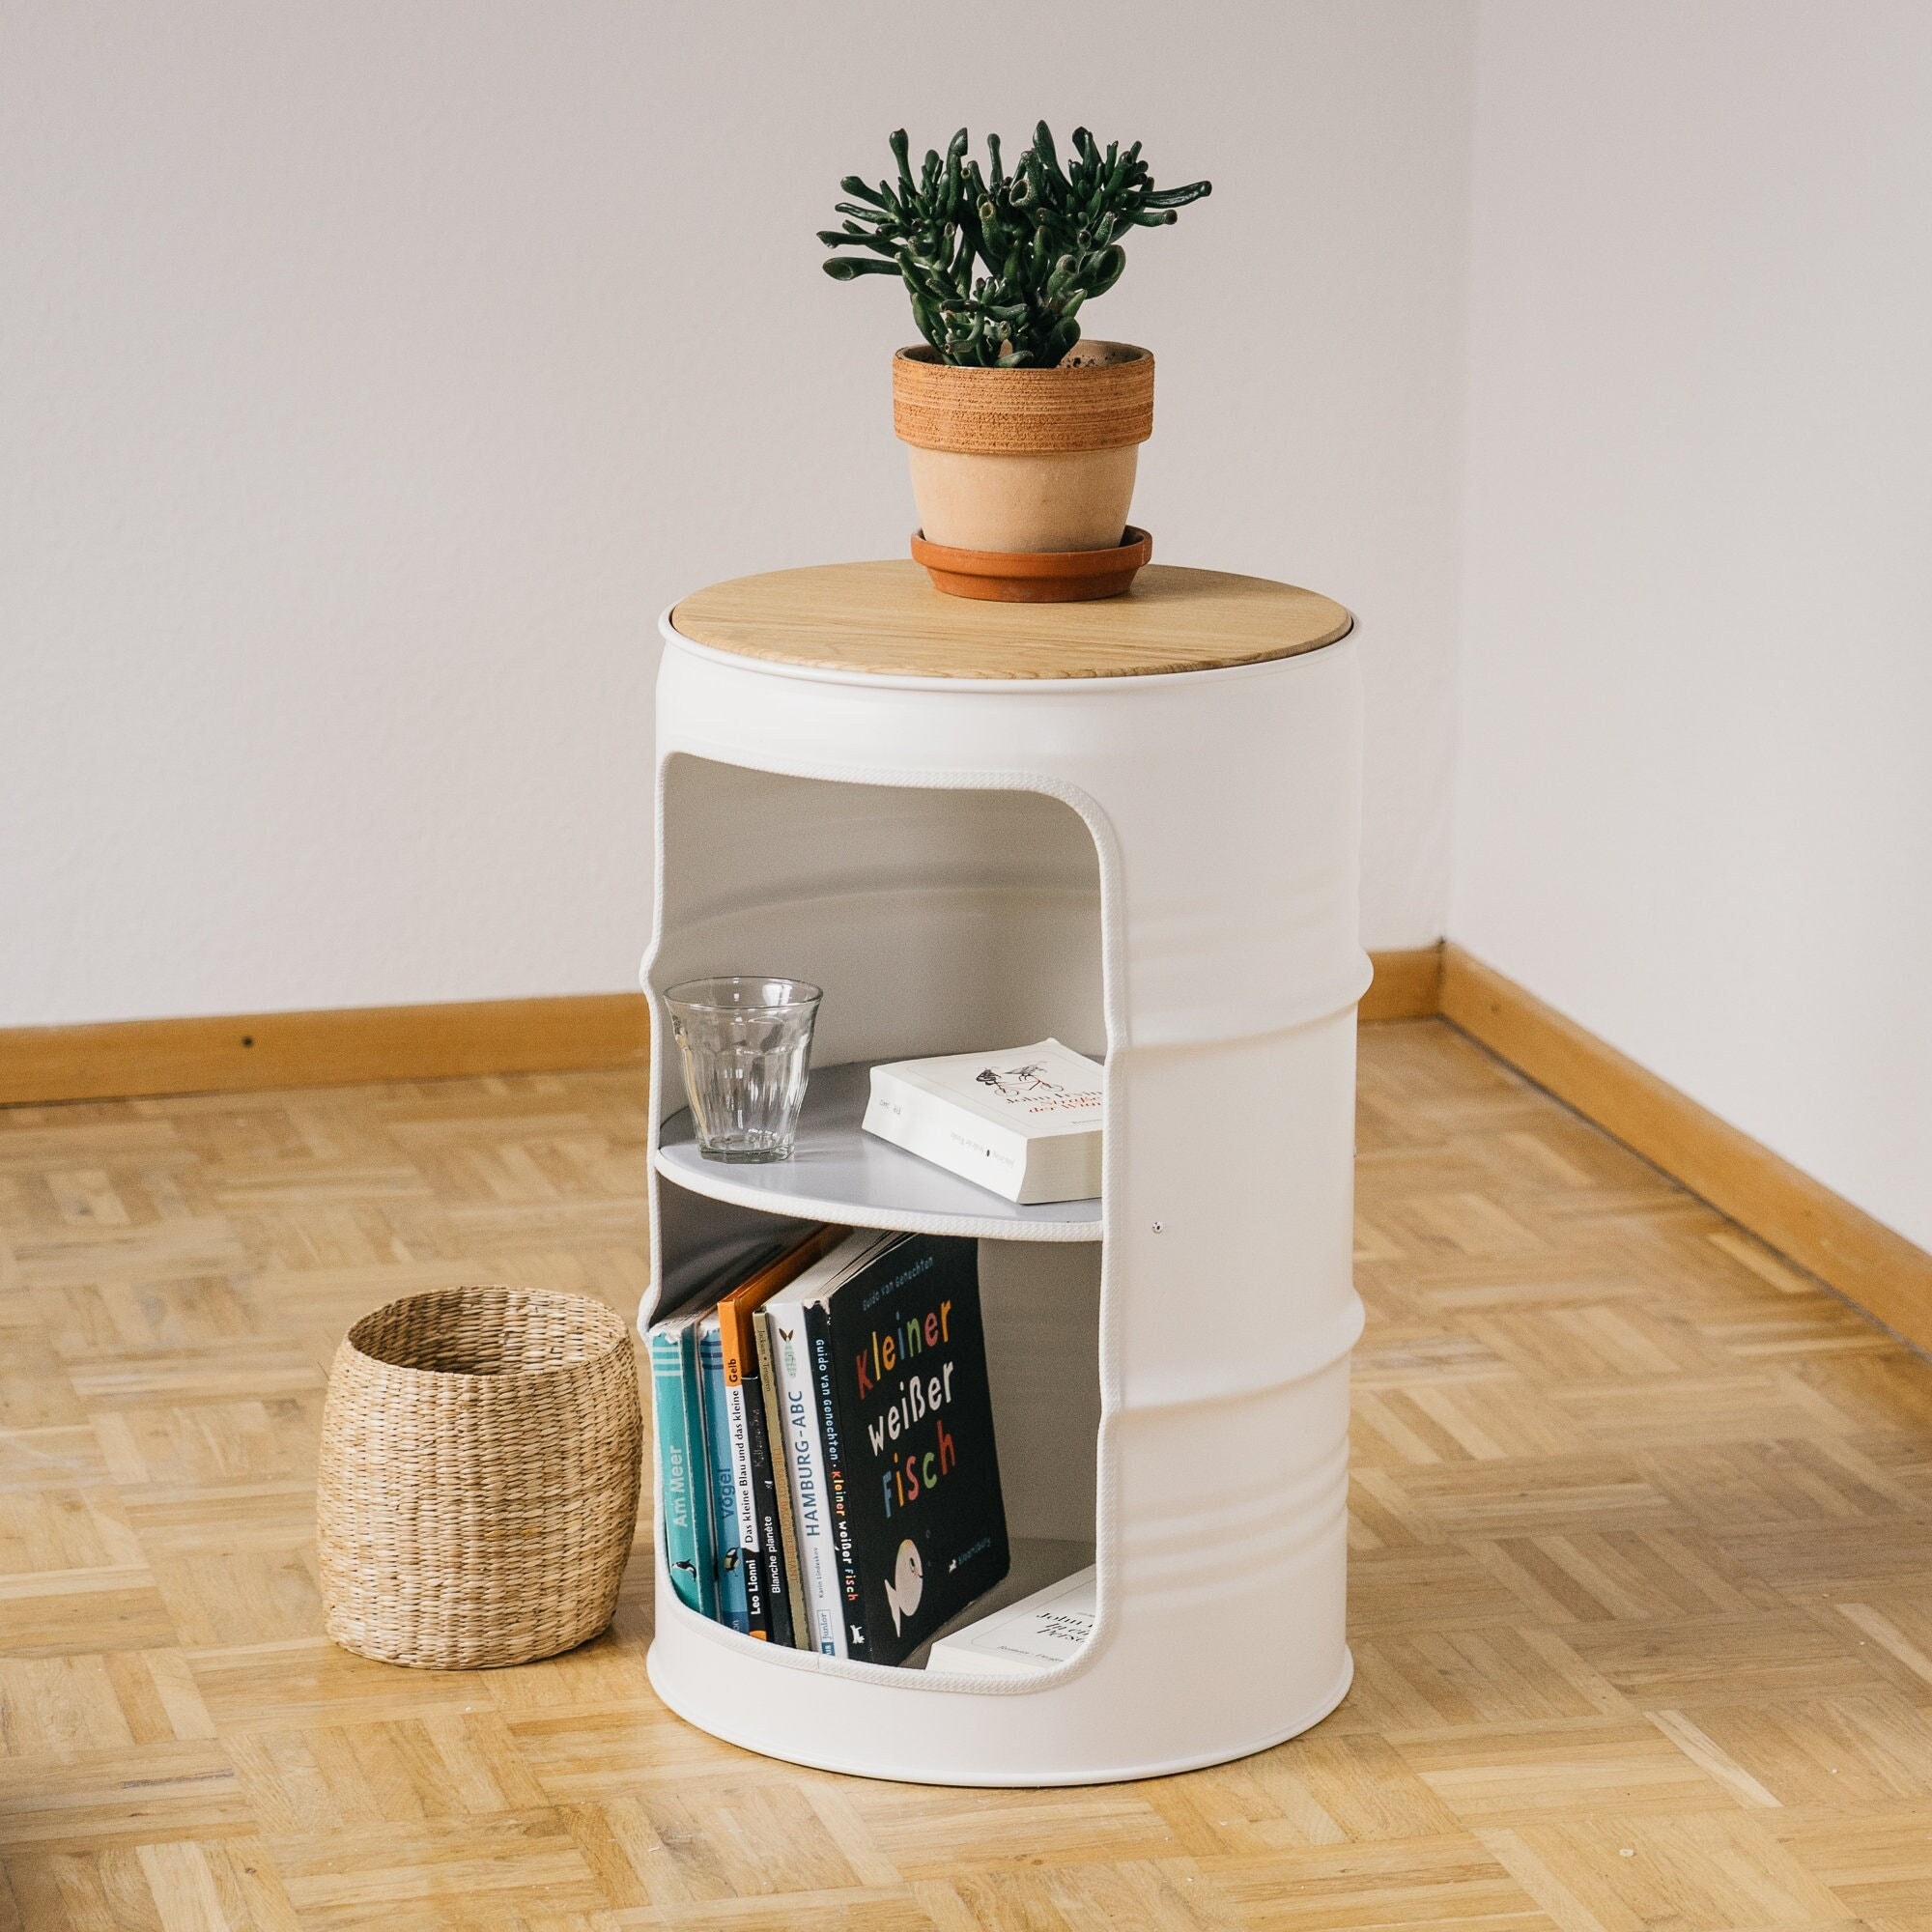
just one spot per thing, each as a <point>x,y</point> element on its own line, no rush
<point>128,1060</point>
<point>131,1060</point>
<point>1842,1245</point>
<point>1407,987</point>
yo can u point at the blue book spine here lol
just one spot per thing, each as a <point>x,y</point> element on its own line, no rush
<point>679,1479</point>
<point>733,1607</point>
<point>685,1478</point>
<point>698,1461</point>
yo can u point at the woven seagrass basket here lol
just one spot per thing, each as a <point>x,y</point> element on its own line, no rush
<point>478,1483</point>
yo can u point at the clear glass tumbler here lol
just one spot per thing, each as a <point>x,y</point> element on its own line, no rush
<point>747,1046</point>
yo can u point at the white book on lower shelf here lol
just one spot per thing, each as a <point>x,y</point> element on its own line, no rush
<point>1036,1633</point>
<point>802,1439</point>
<point>1024,1121</point>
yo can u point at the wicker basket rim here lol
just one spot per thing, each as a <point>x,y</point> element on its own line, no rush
<point>601,1320</point>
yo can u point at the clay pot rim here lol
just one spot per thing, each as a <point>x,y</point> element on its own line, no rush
<point>1063,411</point>
<point>1126,355</point>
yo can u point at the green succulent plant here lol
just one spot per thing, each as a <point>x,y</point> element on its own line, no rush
<point>998,265</point>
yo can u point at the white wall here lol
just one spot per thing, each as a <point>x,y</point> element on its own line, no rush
<point>1694,795</point>
<point>371,375</point>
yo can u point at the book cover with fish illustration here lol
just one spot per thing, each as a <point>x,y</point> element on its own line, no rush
<point>919,1473</point>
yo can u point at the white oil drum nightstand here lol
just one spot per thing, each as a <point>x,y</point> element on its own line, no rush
<point>1132,825</point>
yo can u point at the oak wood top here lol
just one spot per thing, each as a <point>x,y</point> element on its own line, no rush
<point>886,618</point>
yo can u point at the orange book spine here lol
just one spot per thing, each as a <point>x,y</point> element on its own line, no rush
<point>736,1309</point>
<point>761,1520</point>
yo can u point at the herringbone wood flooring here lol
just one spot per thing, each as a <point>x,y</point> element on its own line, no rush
<point>1643,1587</point>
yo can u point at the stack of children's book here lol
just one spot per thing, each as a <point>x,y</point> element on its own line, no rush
<point>825,1444</point>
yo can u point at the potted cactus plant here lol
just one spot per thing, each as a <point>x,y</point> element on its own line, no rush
<point>1023,437</point>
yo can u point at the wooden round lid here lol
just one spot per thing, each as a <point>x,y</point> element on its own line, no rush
<point>886,618</point>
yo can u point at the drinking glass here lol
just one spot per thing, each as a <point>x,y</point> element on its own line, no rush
<point>746,1041</point>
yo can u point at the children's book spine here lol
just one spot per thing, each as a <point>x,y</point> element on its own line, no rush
<point>786,1529</point>
<point>682,1482</point>
<point>697,1458</point>
<point>799,1430</point>
<point>771,1563</point>
<point>757,1607</point>
<point>733,1605</point>
<point>819,1336</point>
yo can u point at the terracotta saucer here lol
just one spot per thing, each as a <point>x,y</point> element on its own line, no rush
<point>1034,576</point>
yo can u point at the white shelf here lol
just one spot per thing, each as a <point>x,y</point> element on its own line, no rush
<point>840,1173</point>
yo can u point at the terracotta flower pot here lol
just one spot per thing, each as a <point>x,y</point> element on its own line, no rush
<point>1025,459</point>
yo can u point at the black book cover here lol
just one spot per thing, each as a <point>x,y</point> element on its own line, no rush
<point>819,1343</point>
<point>921,1476</point>
<point>757,1612</point>
<point>769,1558</point>
<point>775,1442</point>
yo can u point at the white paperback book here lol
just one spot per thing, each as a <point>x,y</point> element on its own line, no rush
<point>1036,1633</point>
<point>1024,1122</point>
<point>804,1445</point>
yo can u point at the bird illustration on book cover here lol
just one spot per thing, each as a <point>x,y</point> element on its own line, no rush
<point>928,1517</point>
<point>1016,1083</point>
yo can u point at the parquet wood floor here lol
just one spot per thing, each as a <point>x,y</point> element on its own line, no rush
<point>1642,1548</point>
